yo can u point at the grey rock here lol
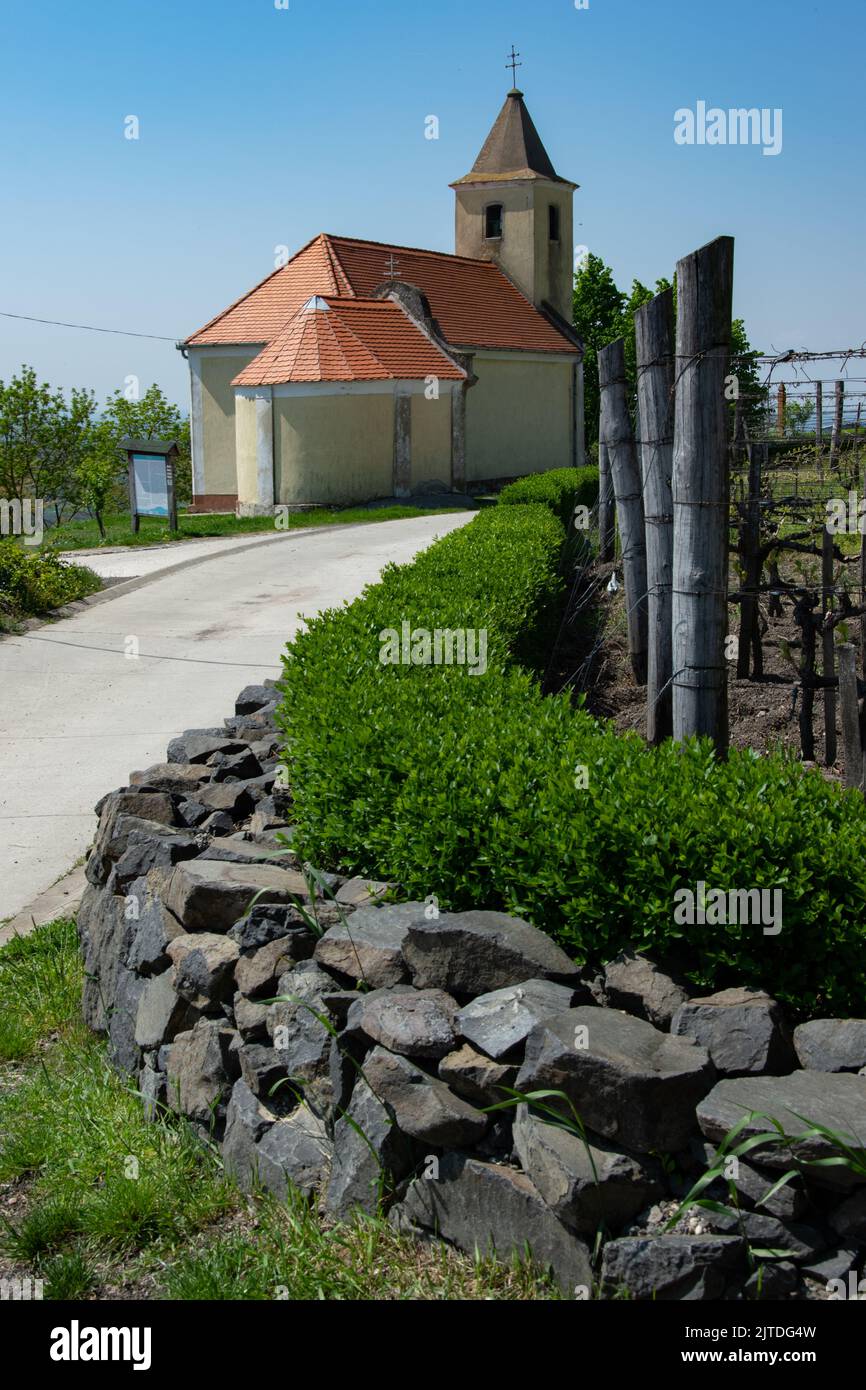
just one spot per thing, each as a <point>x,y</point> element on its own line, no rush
<point>797,1242</point>
<point>235,850</point>
<point>752,1186</point>
<point>771,1281</point>
<point>497,1210</point>
<point>671,1268</point>
<point>183,779</point>
<point>415,1023</point>
<point>106,935</point>
<point>203,967</point>
<point>253,698</point>
<point>218,823</point>
<point>849,1219</point>
<point>742,1029</point>
<point>247,1119</point>
<point>589,1184</point>
<point>198,745</point>
<point>300,1039</point>
<point>151,1088</point>
<point>268,922</point>
<point>423,1108</point>
<point>475,1076</point>
<point>370,946</point>
<point>230,797</point>
<point>834,1264</point>
<point>365,1165</point>
<point>500,1022</point>
<point>207,895</point>
<point>123,1049</point>
<point>294,1152</point>
<point>155,928</point>
<point>251,1018</point>
<point>362,892</point>
<point>162,1013</point>
<point>831,1044</point>
<point>191,813</point>
<point>147,850</point>
<point>141,802</point>
<point>470,953</point>
<point>198,1072</point>
<point>257,974</point>
<point>262,1070</point>
<point>242,766</point>
<point>637,985</point>
<point>627,1080</point>
<point>837,1101</point>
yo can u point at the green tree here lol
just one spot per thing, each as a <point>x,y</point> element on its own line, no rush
<point>598,309</point>
<point>43,439</point>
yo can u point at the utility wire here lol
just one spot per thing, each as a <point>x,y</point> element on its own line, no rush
<point>88,327</point>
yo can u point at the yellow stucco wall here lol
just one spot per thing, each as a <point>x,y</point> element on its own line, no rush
<point>218,419</point>
<point>431,439</point>
<point>518,417</point>
<point>333,448</point>
<point>245,443</point>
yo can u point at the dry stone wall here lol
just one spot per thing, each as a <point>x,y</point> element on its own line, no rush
<point>352,1047</point>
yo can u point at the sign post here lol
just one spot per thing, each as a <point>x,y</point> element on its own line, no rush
<point>151,464</point>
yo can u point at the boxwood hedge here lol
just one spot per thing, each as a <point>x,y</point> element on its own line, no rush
<point>484,792</point>
<point>561,489</point>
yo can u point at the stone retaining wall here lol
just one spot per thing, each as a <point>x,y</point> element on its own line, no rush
<point>396,1027</point>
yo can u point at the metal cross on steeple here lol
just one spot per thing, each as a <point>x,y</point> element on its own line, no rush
<point>393,266</point>
<point>514,65</point>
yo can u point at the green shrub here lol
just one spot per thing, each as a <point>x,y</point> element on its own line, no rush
<point>467,787</point>
<point>561,489</point>
<point>35,582</point>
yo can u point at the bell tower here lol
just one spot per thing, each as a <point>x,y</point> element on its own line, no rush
<point>513,208</point>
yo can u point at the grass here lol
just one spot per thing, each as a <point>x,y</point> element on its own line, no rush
<point>99,1203</point>
<point>84,535</point>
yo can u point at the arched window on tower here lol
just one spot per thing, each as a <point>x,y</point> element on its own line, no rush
<point>554,222</point>
<point>493,222</point>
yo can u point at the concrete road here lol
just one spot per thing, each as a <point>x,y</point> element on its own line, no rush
<point>78,714</point>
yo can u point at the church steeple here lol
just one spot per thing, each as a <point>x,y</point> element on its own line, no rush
<point>515,209</point>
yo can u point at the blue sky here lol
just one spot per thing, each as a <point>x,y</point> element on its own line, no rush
<point>261,127</point>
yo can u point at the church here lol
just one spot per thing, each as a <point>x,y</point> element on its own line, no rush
<point>360,370</point>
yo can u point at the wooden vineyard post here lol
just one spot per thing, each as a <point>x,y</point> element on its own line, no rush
<point>851,736</point>
<point>750,656</point>
<point>828,643</point>
<point>654,338</point>
<point>619,438</point>
<point>838,408</point>
<point>781,404</point>
<point>605,504</point>
<point>819,415</point>
<point>862,523</point>
<point>700,493</point>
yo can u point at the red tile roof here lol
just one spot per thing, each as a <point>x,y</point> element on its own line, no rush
<point>473,302</point>
<point>336,339</point>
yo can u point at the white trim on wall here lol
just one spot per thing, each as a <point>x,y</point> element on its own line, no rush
<point>355,388</point>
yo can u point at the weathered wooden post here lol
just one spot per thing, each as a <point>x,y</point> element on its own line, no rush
<point>819,415</point>
<point>838,409</point>
<point>749,644</point>
<point>862,525</point>
<point>654,339</point>
<point>848,701</point>
<point>619,438</point>
<point>605,504</point>
<point>700,491</point>
<point>828,647</point>
<point>781,404</point>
